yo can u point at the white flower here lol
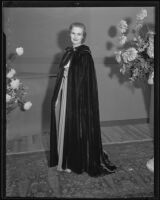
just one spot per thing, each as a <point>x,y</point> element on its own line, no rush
<point>27,105</point>
<point>8,97</point>
<point>123,39</point>
<point>142,14</point>
<point>132,54</point>
<point>15,83</point>
<point>150,79</point>
<point>150,51</point>
<point>131,79</point>
<point>141,49</point>
<point>19,51</point>
<point>129,55</point>
<point>130,169</point>
<point>118,56</point>
<point>125,57</point>
<point>122,26</point>
<point>135,72</point>
<point>138,26</point>
<point>134,39</point>
<point>11,73</point>
<point>122,71</point>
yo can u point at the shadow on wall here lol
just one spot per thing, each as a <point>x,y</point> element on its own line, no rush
<point>62,42</point>
<point>115,70</point>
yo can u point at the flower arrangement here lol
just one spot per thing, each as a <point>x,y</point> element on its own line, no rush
<point>15,91</point>
<point>136,55</point>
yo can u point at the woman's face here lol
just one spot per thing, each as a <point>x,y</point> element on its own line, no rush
<point>76,35</point>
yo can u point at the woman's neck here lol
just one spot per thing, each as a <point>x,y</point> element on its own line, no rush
<point>74,46</point>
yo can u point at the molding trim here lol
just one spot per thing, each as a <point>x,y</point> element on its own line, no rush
<point>117,123</point>
<point>32,75</point>
<point>124,122</point>
<point>50,60</point>
<point>44,60</point>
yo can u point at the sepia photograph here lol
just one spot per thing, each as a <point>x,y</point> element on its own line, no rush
<point>80,99</point>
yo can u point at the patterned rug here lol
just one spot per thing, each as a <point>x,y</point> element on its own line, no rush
<point>29,176</point>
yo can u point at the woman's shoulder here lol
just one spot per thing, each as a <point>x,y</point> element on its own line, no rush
<point>69,48</point>
<point>84,49</point>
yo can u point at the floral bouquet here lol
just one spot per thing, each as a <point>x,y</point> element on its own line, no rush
<point>15,91</point>
<point>136,56</point>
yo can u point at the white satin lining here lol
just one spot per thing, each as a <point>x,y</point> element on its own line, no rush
<point>60,115</point>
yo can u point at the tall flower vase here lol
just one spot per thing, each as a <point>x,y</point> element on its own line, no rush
<point>150,163</point>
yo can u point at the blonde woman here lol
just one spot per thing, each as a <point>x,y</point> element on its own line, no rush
<point>75,136</point>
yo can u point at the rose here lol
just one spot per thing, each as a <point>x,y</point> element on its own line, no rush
<point>129,55</point>
<point>150,79</point>
<point>123,69</point>
<point>11,73</point>
<point>132,54</point>
<point>125,57</point>
<point>150,51</point>
<point>142,14</point>
<point>15,83</point>
<point>131,79</point>
<point>19,51</point>
<point>118,56</point>
<point>123,39</point>
<point>27,105</point>
<point>135,72</point>
<point>138,26</point>
<point>135,39</point>
<point>123,26</point>
<point>8,97</point>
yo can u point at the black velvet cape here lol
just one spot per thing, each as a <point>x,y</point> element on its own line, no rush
<point>82,150</point>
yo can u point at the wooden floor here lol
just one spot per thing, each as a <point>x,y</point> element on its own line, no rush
<point>110,135</point>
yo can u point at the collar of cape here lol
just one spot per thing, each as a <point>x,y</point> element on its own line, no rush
<point>81,48</point>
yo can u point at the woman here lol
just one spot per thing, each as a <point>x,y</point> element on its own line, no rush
<point>75,137</point>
